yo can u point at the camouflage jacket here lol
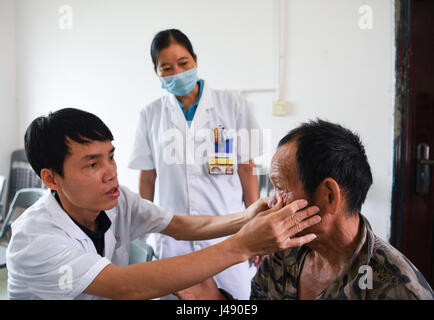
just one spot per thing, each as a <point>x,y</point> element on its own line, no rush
<point>376,270</point>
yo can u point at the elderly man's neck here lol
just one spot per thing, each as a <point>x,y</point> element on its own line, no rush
<point>337,244</point>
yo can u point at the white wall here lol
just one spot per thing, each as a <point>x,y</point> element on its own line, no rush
<point>334,69</point>
<point>103,63</point>
<point>339,72</point>
<point>8,115</point>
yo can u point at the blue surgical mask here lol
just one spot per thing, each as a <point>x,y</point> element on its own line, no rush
<point>182,83</point>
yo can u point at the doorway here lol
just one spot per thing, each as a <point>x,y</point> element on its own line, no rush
<point>413,187</point>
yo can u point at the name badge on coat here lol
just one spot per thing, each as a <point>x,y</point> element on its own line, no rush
<point>222,161</point>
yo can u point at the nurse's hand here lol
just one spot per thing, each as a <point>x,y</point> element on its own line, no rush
<point>275,229</point>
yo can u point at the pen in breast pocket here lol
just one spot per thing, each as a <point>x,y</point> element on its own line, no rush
<point>221,139</point>
<point>216,140</point>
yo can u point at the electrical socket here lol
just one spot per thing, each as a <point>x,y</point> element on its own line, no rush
<point>280,108</point>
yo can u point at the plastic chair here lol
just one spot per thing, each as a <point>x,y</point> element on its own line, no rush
<point>21,175</point>
<point>24,198</point>
<point>140,251</point>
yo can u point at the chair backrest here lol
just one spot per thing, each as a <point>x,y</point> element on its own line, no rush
<point>2,185</point>
<point>140,251</point>
<point>24,198</point>
<point>264,183</point>
<point>21,175</point>
<point>2,189</point>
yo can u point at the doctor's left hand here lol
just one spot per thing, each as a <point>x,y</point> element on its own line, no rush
<point>256,207</point>
<point>251,212</point>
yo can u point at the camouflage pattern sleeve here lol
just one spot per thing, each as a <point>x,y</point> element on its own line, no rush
<point>399,279</point>
<point>260,281</point>
<point>393,293</point>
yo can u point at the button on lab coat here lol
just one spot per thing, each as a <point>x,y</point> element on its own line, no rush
<point>179,154</point>
<point>50,257</point>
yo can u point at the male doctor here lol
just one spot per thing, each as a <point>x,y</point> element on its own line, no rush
<point>74,242</point>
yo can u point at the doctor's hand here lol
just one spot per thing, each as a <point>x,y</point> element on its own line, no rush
<point>255,208</point>
<point>274,229</point>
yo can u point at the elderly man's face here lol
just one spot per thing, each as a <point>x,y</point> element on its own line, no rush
<point>284,177</point>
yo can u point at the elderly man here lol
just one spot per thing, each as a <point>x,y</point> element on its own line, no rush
<point>326,164</point>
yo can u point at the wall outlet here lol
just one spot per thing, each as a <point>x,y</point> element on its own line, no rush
<point>280,108</point>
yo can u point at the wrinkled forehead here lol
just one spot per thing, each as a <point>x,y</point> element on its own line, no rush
<point>283,164</point>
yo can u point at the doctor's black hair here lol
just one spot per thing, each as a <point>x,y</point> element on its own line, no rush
<point>45,139</point>
<point>325,149</point>
<point>165,38</point>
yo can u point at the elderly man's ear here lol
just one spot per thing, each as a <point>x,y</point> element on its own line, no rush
<point>329,196</point>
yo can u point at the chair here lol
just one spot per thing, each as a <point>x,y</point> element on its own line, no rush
<point>21,175</point>
<point>264,183</point>
<point>140,251</point>
<point>23,199</point>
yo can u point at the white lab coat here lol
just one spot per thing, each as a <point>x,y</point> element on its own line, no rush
<point>179,154</point>
<point>50,257</point>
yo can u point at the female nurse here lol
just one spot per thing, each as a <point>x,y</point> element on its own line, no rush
<point>194,148</point>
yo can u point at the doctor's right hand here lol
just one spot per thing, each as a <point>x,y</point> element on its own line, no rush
<point>273,230</point>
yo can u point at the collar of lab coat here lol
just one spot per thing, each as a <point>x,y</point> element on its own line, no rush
<point>201,116</point>
<point>65,222</point>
